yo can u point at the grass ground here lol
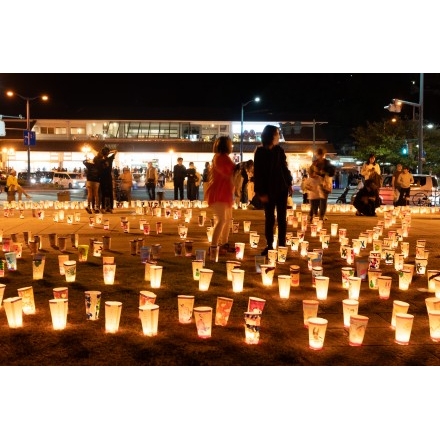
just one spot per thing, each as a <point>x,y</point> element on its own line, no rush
<point>284,340</point>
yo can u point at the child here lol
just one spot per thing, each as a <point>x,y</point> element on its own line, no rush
<point>313,187</point>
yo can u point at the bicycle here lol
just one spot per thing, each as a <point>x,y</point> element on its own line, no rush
<point>422,199</point>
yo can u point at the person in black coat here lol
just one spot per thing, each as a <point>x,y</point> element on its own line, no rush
<point>179,175</point>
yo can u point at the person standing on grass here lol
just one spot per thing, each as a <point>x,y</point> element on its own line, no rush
<point>179,175</point>
<point>395,184</point>
<point>326,170</point>
<point>152,178</point>
<point>272,184</point>
<point>126,182</point>
<point>93,174</point>
<point>405,180</point>
<point>106,186</point>
<point>220,192</point>
<point>313,188</point>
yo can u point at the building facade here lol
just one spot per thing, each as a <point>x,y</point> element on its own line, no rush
<point>64,144</point>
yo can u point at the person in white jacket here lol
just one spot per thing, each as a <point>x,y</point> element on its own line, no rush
<point>371,170</point>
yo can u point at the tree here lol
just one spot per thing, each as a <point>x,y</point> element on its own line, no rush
<point>385,139</point>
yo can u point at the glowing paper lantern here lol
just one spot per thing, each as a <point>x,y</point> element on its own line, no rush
<point>27,294</point>
<point>349,307</point>
<point>223,310</point>
<point>237,280</point>
<point>252,327</point>
<point>155,276</point>
<point>93,304</point>
<point>398,307</point>
<point>321,284</point>
<point>112,316</point>
<point>267,274</point>
<point>109,271</point>
<point>310,310</point>
<point>149,315</point>
<point>284,286</point>
<point>185,304</point>
<point>317,330</point>
<point>203,320</point>
<point>358,326</point>
<point>58,311</point>
<point>14,311</point>
<point>205,279</point>
<point>434,325</point>
<point>404,323</point>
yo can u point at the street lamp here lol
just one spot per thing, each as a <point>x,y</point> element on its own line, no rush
<point>8,152</point>
<point>28,122</point>
<point>257,99</point>
<point>396,107</point>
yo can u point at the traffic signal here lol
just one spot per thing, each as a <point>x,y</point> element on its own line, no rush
<point>404,149</point>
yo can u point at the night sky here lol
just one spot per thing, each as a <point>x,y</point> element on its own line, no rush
<point>343,100</point>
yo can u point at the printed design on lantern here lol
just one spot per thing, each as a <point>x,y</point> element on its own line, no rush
<point>374,263</point>
<point>10,261</point>
<point>267,270</point>
<point>201,327</point>
<point>223,312</point>
<point>253,322</point>
<point>434,276</point>
<point>434,329</point>
<point>419,268</point>
<point>315,334</point>
<point>99,249</point>
<point>372,283</point>
<point>185,312</point>
<point>89,304</point>
<point>82,252</point>
<point>344,252</point>
<point>38,262</point>
<point>388,257</point>
<point>359,330</point>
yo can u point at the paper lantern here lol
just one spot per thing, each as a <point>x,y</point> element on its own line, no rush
<point>349,307</point>
<point>149,315</point>
<point>432,303</point>
<point>310,310</point>
<point>14,311</point>
<point>203,320</point>
<point>109,271</point>
<point>267,274</point>
<point>434,325</point>
<point>346,272</point>
<point>303,248</point>
<point>205,279</point>
<point>58,311</point>
<point>237,280</point>
<point>196,266</point>
<point>321,285</point>
<point>334,229</point>
<point>356,332</point>
<point>404,323</point>
<point>317,330</point>
<point>223,310</point>
<point>70,271</point>
<point>282,254</point>
<point>155,276</point>
<point>294,275</point>
<point>384,286</point>
<point>284,286</point>
<point>27,294</point>
<point>256,304</point>
<point>93,304</point>
<point>373,275</point>
<point>239,251</point>
<point>2,292</point>
<point>398,307</point>
<point>252,323</point>
<point>246,226</point>
<point>112,316</point>
<point>354,287</point>
<point>209,232</point>
<point>231,264</point>
<point>185,304</point>
<point>214,253</point>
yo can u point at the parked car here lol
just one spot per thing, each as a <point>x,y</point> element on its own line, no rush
<point>423,191</point>
<point>65,179</point>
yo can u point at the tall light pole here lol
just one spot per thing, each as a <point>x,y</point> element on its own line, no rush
<point>257,99</point>
<point>396,107</point>
<point>28,123</point>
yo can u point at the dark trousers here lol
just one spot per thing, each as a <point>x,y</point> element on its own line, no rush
<point>278,202</point>
<point>314,208</point>
<point>151,190</point>
<point>178,190</point>
<point>403,197</point>
<point>322,207</point>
